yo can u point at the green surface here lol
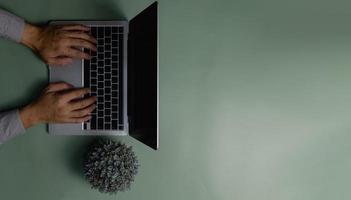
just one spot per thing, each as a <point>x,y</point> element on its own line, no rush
<point>254,97</point>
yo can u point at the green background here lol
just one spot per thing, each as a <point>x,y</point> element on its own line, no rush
<point>254,99</point>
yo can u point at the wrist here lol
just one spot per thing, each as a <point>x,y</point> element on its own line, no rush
<point>29,116</point>
<point>30,36</point>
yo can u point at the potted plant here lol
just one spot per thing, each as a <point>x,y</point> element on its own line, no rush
<point>110,166</point>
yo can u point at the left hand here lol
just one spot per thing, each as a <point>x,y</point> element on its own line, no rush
<point>59,45</point>
<point>59,103</point>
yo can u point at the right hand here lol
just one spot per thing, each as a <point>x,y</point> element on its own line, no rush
<point>59,103</point>
<point>59,45</point>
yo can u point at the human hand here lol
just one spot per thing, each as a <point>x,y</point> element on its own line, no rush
<point>59,103</point>
<point>59,45</point>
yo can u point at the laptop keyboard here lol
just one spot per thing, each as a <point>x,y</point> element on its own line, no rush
<point>103,75</point>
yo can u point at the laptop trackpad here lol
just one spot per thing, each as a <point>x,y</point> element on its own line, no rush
<point>71,73</point>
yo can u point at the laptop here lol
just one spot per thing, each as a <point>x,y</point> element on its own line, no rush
<point>122,74</point>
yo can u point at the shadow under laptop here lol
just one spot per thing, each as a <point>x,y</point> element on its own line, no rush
<point>85,10</point>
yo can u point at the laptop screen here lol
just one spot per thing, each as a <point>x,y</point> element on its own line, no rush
<point>143,77</point>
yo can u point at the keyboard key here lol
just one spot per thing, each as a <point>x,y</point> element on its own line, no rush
<point>114,72</point>
<point>100,123</point>
<point>107,119</point>
<point>93,81</point>
<point>114,115</point>
<point>100,63</point>
<point>107,105</point>
<point>114,86</point>
<point>107,31</point>
<point>114,36</point>
<point>107,126</point>
<point>114,65</point>
<point>107,54</point>
<point>88,51</point>
<point>93,67</point>
<point>101,55</point>
<point>107,68</point>
<point>114,29</point>
<point>86,63</point>
<point>93,31</point>
<point>100,49</point>
<point>114,94</point>
<point>114,124</point>
<point>107,111</point>
<point>108,40</point>
<point>108,76</point>
<point>114,108</point>
<point>107,90</point>
<point>100,32</point>
<point>114,43</point>
<point>107,97</point>
<point>93,123</point>
<point>120,29</point>
<point>100,85</point>
<point>100,106</point>
<point>115,51</point>
<point>86,73</point>
<point>100,70</point>
<point>107,83</point>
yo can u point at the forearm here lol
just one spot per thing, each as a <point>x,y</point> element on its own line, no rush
<point>10,125</point>
<point>11,26</point>
<point>29,116</point>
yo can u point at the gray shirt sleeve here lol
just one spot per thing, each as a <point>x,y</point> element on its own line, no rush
<point>11,26</point>
<point>10,125</point>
